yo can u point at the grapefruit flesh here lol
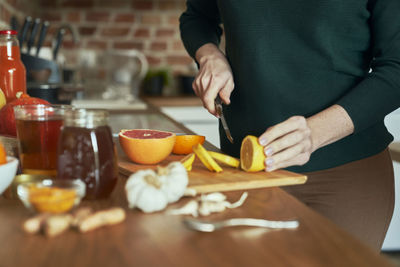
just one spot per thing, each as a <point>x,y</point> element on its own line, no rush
<point>146,146</point>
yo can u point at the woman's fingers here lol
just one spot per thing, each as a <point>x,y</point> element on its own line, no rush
<point>283,128</point>
<point>225,92</point>
<point>214,77</point>
<point>295,155</point>
<point>288,140</point>
<point>287,143</point>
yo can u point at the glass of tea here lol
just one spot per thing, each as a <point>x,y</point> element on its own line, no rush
<point>86,151</point>
<point>38,132</point>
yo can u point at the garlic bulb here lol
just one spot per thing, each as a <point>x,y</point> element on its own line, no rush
<point>151,191</point>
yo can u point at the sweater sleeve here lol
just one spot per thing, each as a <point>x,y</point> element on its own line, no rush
<point>379,92</point>
<point>200,24</point>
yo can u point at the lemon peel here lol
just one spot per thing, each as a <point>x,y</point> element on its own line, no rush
<point>187,161</point>
<point>206,159</point>
<point>228,160</point>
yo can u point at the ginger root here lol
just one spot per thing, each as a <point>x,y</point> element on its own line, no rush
<point>34,224</point>
<point>102,218</point>
<point>57,224</point>
<point>83,219</point>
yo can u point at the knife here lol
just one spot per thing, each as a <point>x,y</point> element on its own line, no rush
<point>32,37</point>
<point>24,31</point>
<point>14,23</point>
<point>218,107</point>
<point>42,36</point>
<point>58,42</point>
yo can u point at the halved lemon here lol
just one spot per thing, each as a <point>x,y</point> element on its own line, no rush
<point>252,155</point>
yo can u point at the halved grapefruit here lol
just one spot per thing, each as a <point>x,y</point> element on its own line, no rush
<point>146,146</point>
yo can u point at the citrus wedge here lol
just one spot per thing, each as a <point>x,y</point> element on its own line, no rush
<point>187,161</point>
<point>206,159</point>
<point>228,160</point>
<point>2,99</point>
<point>3,154</point>
<point>184,143</point>
<point>252,155</point>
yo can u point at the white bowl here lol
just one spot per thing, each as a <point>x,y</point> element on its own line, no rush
<point>7,173</point>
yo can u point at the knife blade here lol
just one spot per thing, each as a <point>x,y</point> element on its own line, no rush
<point>218,107</point>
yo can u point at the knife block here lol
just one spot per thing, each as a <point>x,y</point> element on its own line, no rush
<point>40,70</point>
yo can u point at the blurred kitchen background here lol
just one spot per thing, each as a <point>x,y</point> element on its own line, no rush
<point>117,50</point>
<point>98,34</point>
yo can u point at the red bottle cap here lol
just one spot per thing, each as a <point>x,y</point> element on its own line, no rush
<point>11,32</point>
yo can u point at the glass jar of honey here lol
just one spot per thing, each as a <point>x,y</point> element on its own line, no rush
<point>86,151</point>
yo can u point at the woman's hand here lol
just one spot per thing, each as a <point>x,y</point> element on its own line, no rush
<point>291,142</point>
<point>287,143</point>
<point>214,77</point>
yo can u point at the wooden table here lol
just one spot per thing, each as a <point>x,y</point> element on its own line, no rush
<point>162,240</point>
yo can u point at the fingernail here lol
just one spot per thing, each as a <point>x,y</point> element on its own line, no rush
<point>269,161</point>
<point>268,151</point>
<point>269,168</point>
<point>263,141</point>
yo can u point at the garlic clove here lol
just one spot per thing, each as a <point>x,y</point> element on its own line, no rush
<point>189,208</point>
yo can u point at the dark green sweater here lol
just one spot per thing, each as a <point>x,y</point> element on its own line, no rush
<point>298,57</point>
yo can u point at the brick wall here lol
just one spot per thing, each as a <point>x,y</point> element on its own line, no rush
<point>18,8</point>
<point>150,26</point>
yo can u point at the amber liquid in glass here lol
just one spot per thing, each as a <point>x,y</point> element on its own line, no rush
<point>38,141</point>
<point>89,155</point>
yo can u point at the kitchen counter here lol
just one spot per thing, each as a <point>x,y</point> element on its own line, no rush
<point>159,239</point>
<point>173,101</point>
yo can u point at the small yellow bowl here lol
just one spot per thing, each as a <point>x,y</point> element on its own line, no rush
<point>11,192</point>
<point>51,196</point>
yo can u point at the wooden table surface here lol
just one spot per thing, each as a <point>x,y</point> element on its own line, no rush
<point>159,239</point>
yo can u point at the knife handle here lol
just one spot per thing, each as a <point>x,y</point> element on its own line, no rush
<point>58,42</point>
<point>218,100</point>
<point>42,36</point>
<point>14,23</point>
<point>24,31</point>
<point>32,37</point>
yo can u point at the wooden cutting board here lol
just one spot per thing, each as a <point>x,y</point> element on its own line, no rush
<point>204,181</point>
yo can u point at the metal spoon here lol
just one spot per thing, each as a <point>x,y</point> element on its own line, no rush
<point>204,226</point>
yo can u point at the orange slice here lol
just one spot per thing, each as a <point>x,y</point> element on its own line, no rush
<point>3,154</point>
<point>184,143</point>
<point>228,160</point>
<point>187,161</point>
<point>206,159</point>
<point>252,155</point>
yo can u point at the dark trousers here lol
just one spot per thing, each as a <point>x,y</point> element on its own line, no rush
<point>358,196</point>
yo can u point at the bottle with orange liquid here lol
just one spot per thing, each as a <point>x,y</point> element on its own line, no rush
<point>12,70</point>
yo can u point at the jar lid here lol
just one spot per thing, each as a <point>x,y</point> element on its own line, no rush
<point>86,118</point>
<point>10,32</point>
